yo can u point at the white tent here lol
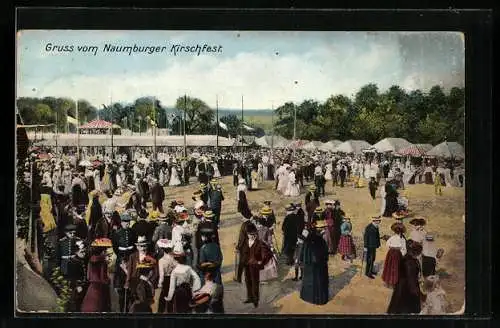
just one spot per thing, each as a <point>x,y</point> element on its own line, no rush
<point>330,145</point>
<point>271,141</point>
<point>391,145</point>
<point>447,150</point>
<point>313,145</point>
<point>101,140</point>
<point>352,146</point>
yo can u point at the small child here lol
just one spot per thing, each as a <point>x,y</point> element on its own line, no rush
<point>435,302</point>
<point>373,186</point>
<point>346,244</point>
<point>299,265</point>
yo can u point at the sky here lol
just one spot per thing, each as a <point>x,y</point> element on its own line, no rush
<point>266,68</point>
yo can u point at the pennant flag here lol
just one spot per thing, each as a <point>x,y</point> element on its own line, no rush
<point>248,128</point>
<point>72,120</point>
<point>222,125</point>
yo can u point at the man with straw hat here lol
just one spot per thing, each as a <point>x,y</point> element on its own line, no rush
<point>163,230</point>
<point>371,243</point>
<point>315,261</point>
<point>134,265</point>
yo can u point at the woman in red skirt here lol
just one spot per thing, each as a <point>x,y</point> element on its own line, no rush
<point>98,296</point>
<point>346,244</point>
<point>397,249</point>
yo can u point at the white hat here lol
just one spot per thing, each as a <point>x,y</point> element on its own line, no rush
<point>141,240</point>
<point>198,204</point>
<point>305,233</point>
<point>241,181</point>
<point>164,243</point>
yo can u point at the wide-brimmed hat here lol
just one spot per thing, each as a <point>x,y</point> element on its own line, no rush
<point>312,188</point>
<point>207,266</point>
<point>214,181</point>
<point>241,181</point>
<point>208,214</point>
<point>162,217</point>
<point>267,202</point>
<point>318,210</point>
<point>398,227</point>
<point>251,229</point>
<point>197,193</point>
<point>329,202</point>
<point>179,202</point>
<point>101,242</point>
<point>266,211</point>
<point>375,219</point>
<point>182,216</point>
<point>70,227</point>
<point>290,208</point>
<point>398,215</point>
<point>320,224</point>
<point>202,186</point>
<point>164,243</point>
<point>418,222</point>
<point>142,241</point>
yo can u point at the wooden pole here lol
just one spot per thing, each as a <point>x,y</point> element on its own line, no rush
<point>217,126</point>
<point>185,110</point>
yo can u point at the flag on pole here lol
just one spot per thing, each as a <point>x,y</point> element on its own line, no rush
<point>222,125</point>
<point>248,128</point>
<point>72,120</point>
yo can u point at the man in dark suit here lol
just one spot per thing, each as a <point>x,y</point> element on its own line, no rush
<point>157,196</point>
<point>371,243</point>
<point>67,249</point>
<point>257,254</point>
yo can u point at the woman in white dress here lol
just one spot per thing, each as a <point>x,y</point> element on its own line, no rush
<point>161,177</point>
<point>328,173</point>
<point>293,186</point>
<point>216,170</point>
<point>283,179</point>
<point>174,177</point>
<point>260,172</point>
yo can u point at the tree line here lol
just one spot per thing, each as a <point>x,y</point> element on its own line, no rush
<point>371,115</point>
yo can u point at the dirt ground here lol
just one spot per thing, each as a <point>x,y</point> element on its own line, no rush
<point>350,291</point>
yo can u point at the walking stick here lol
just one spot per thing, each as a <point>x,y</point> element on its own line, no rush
<point>235,276</point>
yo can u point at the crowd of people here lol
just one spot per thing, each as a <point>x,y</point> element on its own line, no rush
<point>121,245</point>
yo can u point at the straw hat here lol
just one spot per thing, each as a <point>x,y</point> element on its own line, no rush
<point>207,266</point>
<point>320,224</point>
<point>418,222</point>
<point>318,210</point>
<point>266,211</point>
<point>208,214</point>
<point>141,241</point>
<point>164,243</point>
<point>102,242</point>
<point>241,181</point>
<point>312,188</point>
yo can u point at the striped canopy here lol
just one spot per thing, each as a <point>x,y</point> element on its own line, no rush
<point>415,150</point>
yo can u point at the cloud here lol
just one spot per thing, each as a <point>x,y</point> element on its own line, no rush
<point>263,78</point>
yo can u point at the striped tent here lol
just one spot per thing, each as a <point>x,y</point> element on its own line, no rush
<point>416,150</point>
<point>99,124</point>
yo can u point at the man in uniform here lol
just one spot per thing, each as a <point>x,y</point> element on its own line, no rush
<point>371,243</point>
<point>216,198</point>
<point>123,245</point>
<point>67,248</point>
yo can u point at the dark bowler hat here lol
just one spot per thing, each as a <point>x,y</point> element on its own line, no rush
<point>70,227</point>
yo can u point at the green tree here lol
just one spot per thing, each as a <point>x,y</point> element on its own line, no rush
<point>199,116</point>
<point>233,123</point>
<point>367,97</point>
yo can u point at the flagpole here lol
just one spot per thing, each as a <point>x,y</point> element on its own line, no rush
<point>111,108</point>
<point>217,126</point>
<point>241,128</point>
<point>77,134</point>
<point>185,110</point>
<point>154,130</point>
<point>272,128</point>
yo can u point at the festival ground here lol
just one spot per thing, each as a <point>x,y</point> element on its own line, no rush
<point>350,291</point>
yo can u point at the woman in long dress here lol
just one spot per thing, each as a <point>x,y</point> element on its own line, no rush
<point>328,173</point>
<point>174,177</point>
<point>283,174</point>
<point>397,249</point>
<point>407,296</point>
<point>293,189</point>
<point>216,170</point>
<point>255,180</point>
<point>98,297</point>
